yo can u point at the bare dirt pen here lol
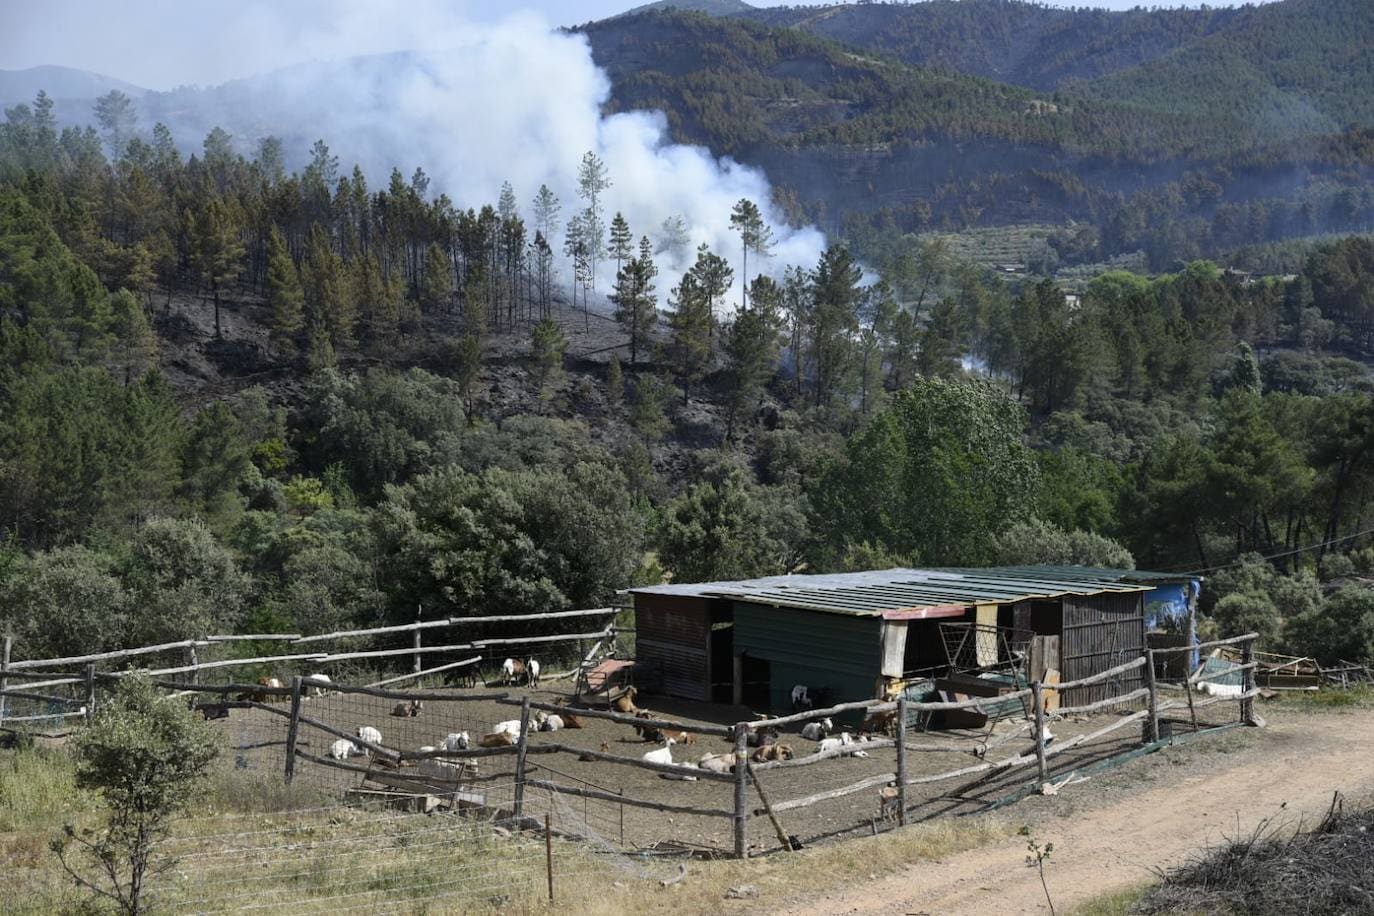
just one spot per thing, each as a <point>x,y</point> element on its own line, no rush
<point>262,737</point>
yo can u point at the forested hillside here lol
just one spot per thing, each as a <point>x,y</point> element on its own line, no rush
<point>1211,141</point>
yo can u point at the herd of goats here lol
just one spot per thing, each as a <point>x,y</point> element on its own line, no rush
<point>765,739</point>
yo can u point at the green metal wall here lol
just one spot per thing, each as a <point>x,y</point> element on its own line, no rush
<point>839,651</point>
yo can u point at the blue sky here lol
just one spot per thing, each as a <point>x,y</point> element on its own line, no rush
<point>160,44</point>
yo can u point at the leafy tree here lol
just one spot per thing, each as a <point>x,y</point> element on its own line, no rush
<point>1249,612</point>
<point>146,754</point>
<point>185,583</point>
<point>1342,629</point>
<point>934,476</point>
<point>724,527</point>
<point>215,458</point>
<point>66,601</point>
<point>1037,542</point>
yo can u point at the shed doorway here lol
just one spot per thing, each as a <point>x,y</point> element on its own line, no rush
<point>755,682</point>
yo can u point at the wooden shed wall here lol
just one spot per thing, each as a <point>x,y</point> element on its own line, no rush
<point>840,651</point>
<point>1101,632</point>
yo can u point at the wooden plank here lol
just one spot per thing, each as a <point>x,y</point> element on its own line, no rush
<point>844,751</point>
<point>741,813</point>
<point>384,653</point>
<point>806,801</point>
<point>1204,646</point>
<point>101,656</point>
<point>672,769</point>
<point>866,705</point>
<point>530,640</point>
<point>1101,704</point>
<point>768,809</point>
<point>293,728</point>
<point>520,618</point>
<point>435,695</point>
<point>428,671</point>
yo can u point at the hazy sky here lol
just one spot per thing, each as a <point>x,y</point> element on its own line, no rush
<point>163,43</point>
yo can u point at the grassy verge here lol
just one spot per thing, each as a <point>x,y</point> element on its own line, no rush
<point>1361,696</point>
<point>1118,903</point>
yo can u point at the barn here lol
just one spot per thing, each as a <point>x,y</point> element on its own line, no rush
<point>848,635</point>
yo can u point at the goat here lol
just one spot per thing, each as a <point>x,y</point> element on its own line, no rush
<point>771,752</point>
<point>801,699</point>
<point>320,690</point>
<point>879,722</point>
<point>625,703</point>
<point>662,755</point>
<point>370,735</point>
<point>539,718</point>
<point>647,732</point>
<point>551,723</point>
<point>683,737</point>
<point>509,727</point>
<point>717,763</point>
<point>512,670</point>
<point>531,672</point>
<point>571,720</point>
<point>456,741</point>
<point>262,696</point>
<point>768,734</point>
<point>343,749</point>
<point>408,710</point>
<point>845,739</point>
<point>587,758</point>
<point>889,804</point>
<point>497,739</point>
<point>817,731</point>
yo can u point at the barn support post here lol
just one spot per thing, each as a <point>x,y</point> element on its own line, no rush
<point>741,790</point>
<point>1153,733</point>
<point>1038,698</point>
<point>90,692</point>
<point>522,748</point>
<point>548,852</point>
<point>1247,705</point>
<point>5,650</point>
<point>293,729</point>
<point>901,761</point>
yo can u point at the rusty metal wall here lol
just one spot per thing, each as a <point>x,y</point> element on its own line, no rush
<point>672,636</point>
<point>1101,632</point>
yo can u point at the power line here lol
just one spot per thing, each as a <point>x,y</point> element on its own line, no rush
<point>1282,553</point>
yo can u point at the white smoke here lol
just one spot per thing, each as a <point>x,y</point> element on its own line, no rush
<point>513,101</point>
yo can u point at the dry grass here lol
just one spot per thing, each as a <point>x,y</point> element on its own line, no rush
<point>256,842</point>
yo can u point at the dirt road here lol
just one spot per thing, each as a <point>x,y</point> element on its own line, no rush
<point>1156,813</point>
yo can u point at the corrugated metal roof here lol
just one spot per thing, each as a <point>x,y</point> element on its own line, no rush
<point>874,592</point>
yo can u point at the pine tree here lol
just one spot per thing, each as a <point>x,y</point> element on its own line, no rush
<point>834,319</point>
<point>436,287</point>
<point>547,345</point>
<point>691,322</point>
<point>331,303</point>
<point>285,298</point>
<point>216,250</point>
<point>622,241</point>
<point>754,236</point>
<point>592,179</point>
<point>635,303</point>
<point>136,341</point>
<point>546,210</point>
<point>615,380</point>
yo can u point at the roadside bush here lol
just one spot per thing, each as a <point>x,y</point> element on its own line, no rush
<point>1248,612</point>
<point>1341,629</point>
<point>66,601</point>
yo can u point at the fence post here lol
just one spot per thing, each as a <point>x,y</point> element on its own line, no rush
<point>4,681</point>
<point>419,609</point>
<point>191,659</point>
<point>1037,697</point>
<point>1153,726</point>
<point>293,729</point>
<point>1247,684</point>
<point>90,692</point>
<point>901,761</point>
<point>741,786</point>
<point>521,748</point>
<point>548,853</point>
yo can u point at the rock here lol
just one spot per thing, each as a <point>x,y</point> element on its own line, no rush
<point>743,892</point>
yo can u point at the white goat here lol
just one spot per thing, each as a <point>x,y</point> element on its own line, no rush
<point>551,724</point>
<point>370,735</point>
<point>686,764</point>
<point>343,749</point>
<point>717,763</point>
<point>320,690</point>
<point>457,741</point>
<point>800,698</point>
<point>509,727</point>
<point>817,731</point>
<point>844,740</point>
<point>511,670</point>
<point>662,755</point>
<point>532,672</point>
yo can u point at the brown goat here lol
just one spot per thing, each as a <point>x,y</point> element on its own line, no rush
<point>682,737</point>
<point>408,710</point>
<point>771,752</point>
<point>625,703</point>
<point>647,732</point>
<point>497,739</point>
<point>879,723</point>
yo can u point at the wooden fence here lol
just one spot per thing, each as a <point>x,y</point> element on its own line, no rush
<point>743,775</point>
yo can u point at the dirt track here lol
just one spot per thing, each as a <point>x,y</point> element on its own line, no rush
<point>1109,832</point>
